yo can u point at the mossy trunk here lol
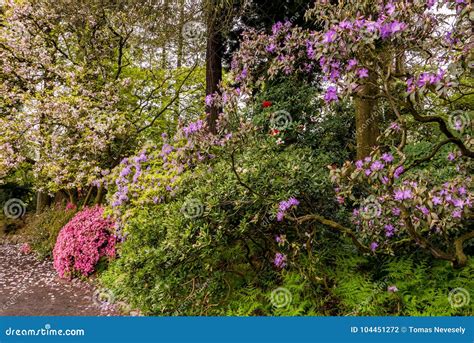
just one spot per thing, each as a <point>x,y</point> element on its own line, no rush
<point>42,201</point>
<point>100,195</point>
<point>367,121</point>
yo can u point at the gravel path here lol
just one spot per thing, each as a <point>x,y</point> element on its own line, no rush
<point>29,287</point>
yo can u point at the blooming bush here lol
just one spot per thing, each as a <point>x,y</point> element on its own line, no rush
<point>83,242</point>
<point>393,203</point>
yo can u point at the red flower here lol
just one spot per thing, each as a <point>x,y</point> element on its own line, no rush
<point>266,104</point>
<point>274,132</point>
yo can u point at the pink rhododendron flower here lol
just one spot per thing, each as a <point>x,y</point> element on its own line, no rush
<point>331,95</point>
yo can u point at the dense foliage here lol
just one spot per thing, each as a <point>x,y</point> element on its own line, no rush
<point>336,179</point>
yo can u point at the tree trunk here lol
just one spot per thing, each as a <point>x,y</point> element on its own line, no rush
<point>214,51</point>
<point>367,121</point>
<point>42,200</point>
<point>88,196</point>
<point>100,195</point>
<point>179,56</point>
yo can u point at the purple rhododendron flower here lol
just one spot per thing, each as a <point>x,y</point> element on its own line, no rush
<point>142,158</point>
<point>280,260</point>
<point>310,50</point>
<point>345,25</point>
<point>390,8</point>
<point>437,201</point>
<point>385,31</point>
<point>351,63</point>
<point>402,194</point>
<point>280,216</point>
<point>388,158</point>
<point>362,73</point>
<point>271,48</point>
<point>193,127</point>
<point>392,289</point>
<point>359,164</point>
<point>284,206</point>
<point>209,100</point>
<point>243,75</point>
<point>457,214</point>
<point>126,171</point>
<point>374,246</point>
<point>389,230</point>
<point>394,126</point>
<point>396,211</point>
<point>377,165</point>
<point>398,172</point>
<point>330,95</point>
<point>458,203</point>
<point>329,36</point>
<point>277,27</point>
<point>424,210</point>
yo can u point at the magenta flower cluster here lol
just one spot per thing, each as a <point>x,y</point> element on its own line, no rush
<point>83,242</point>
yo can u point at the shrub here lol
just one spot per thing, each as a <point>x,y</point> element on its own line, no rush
<point>215,236</point>
<point>43,229</point>
<point>83,242</point>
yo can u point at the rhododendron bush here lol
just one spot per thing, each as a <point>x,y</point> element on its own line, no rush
<point>83,241</point>
<point>381,56</point>
<point>392,204</point>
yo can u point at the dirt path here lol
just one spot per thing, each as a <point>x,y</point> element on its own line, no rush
<point>29,287</point>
